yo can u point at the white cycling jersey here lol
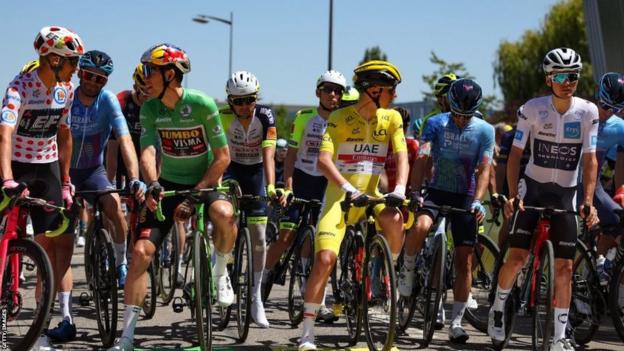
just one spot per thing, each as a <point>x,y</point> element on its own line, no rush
<point>557,140</point>
<point>307,135</point>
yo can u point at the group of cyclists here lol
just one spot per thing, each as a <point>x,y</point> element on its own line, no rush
<point>58,139</point>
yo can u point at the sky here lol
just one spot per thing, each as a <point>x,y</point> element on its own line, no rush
<point>283,42</point>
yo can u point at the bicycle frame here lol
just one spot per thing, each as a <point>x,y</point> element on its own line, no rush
<point>16,218</point>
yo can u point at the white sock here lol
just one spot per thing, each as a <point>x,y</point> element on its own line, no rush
<point>180,258</point>
<point>324,295</point>
<point>257,287</point>
<point>395,257</point>
<point>65,305</point>
<point>131,315</point>
<point>220,263</point>
<point>500,298</point>
<point>309,316</point>
<point>120,253</point>
<point>409,262</point>
<point>458,313</point>
<point>561,319</point>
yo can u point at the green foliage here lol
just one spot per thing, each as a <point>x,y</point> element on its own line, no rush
<point>283,122</point>
<point>518,66</point>
<point>374,53</point>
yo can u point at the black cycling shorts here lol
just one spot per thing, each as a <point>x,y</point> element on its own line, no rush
<point>463,226</point>
<point>307,187</point>
<point>251,181</point>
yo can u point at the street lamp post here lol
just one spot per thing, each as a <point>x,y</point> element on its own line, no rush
<point>331,31</point>
<point>203,19</point>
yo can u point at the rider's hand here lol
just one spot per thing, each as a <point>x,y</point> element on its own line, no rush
<point>67,190</point>
<point>10,184</point>
<point>509,208</point>
<point>591,219</point>
<point>138,188</point>
<point>619,196</point>
<point>154,194</point>
<point>396,198</point>
<point>416,200</point>
<point>478,210</point>
<point>271,193</point>
<point>184,210</point>
<point>284,197</point>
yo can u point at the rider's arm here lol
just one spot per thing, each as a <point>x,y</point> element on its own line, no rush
<point>590,164</point>
<point>268,156</point>
<point>148,164</point>
<point>399,145</point>
<point>64,138</point>
<point>269,140</point>
<point>402,171</point>
<point>289,166</point>
<point>112,148</point>
<point>328,168</point>
<point>294,142</point>
<point>148,145</point>
<point>120,129</point>
<point>216,169</point>
<point>129,155</point>
<point>420,166</point>
<point>6,132</point>
<point>486,154</point>
<point>492,185</point>
<point>483,174</point>
<point>218,144</point>
<point>513,170</point>
<point>619,169</point>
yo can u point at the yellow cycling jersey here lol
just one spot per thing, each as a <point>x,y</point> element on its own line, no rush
<point>359,147</point>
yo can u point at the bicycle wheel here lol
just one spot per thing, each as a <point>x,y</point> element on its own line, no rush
<point>483,263</point>
<point>512,302</point>
<point>149,304</point>
<point>434,287</point>
<point>616,297</point>
<point>300,268</point>
<point>586,303</point>
<point>351,283</point>
<point>203,291</point>
<point>543,295</point>
<point>380,296</point>
<point>23,317</point>
<point>104,279</point>
<point>271,232</point>
<point>167,265</point>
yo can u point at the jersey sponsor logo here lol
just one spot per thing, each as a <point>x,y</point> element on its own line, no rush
<point>519,135</point>
<point>380,135</point>
<point>39,123</point>
<point>547,126</point>
<point>9,117</point>
<point>60,95</point>
<point>579,114</point>
<point>163,120</point>
<point>186,110</point>
<point>355,131</point>
<point>350,119</point>
<point>572,130</point>
<point>271,133</point>
<point>36,93</point>
<point>317,127</point>
<point>354,139</point>
<point>217,130</point>
<point>563,156</point>
<point>183,142</point>
<point>543,114</point>
<point>552,135</point>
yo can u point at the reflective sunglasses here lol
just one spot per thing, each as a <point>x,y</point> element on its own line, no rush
<point>561,78</point>
<point>240,101</point>
<point>608,107</point>
<point>328,90</point>
<point>97,78</point>
<point>148,70</point>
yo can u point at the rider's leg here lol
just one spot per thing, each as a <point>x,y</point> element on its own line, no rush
<point>391,222</point>
<point>275,250</point>
<point>111,206</point>
<point>315,289</point>
<point>463,281</point>
<point>224,223</point>
<point>563,293</point>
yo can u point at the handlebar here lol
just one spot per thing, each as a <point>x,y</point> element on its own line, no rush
<point>188,193</point>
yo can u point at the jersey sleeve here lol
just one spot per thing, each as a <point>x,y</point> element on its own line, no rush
<point>327,144</point>
<point>65,121</point>
<point>523,129</point>
<point>590,138</point>
<point>148,127</point>
<point>214,128</point>
<point>11,104</point>
<point>428,133</point>
<point>117,119</point>
<point>298,127</point>
<point>486,147</point>
<point>398,137</point>
<point>269,137</point>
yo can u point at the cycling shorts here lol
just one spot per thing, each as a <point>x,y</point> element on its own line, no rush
<point>150,228</point>
<point>90,179</point>
<point>307,187</point>
<point>43,181</point>
<point>609,220</point>
<point>463,226</point>
<point>563,227</point>
<point>251,181</point>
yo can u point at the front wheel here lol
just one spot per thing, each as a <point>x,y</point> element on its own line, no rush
<point>586,302</point>
<point>617,299</point>
<point>300,268</point>
<point>351,282</point>
<point>242,281</point>
<point>202,294</point>
<point>543,296</point>
<point>483,263</point>
<point>149,304</point>
<point>434,287</point>
<point>104,283</point>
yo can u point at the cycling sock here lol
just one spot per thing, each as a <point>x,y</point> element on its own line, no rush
<point>395,257</point>
<point>64,299</point>
<point>309,316</point>
<point>458,313</point>
<point>131,315</point>
<point>324,295</point>
<point>257,229</point>
<point>180,258</point>
<point>409,262</point>
<point>220,263</point>
<point>120,254</point>
<point>560,319</point>
<point>257,287</point>
<point>499,300</point>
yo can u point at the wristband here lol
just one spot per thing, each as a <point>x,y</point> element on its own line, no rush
<point>399,189</point>
<point>348,188</point>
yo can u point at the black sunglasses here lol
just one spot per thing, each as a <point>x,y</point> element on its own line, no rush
<point>240,101</point>
<point>99,79</point>
<point>328,90</point>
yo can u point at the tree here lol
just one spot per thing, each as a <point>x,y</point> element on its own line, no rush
<point>374,53</point>
<point>459,69</point>
<point>518,66</point>
<point>282,121</point>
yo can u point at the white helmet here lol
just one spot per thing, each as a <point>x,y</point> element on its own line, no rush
<point>332,76</point>
<point>242,83</point>
<point>58,40</point>
<point>562,59</point>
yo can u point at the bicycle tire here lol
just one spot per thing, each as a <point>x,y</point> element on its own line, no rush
<point>351,283</point>
<point>544,295</point>
<point>434,289</point>
<point>167,271</point>
<point>586,292</point>
<point>202,300</point>
<point>511,304</point>
<point>104,278</point>
<point>272,230</point>
<point>243,284</point>
<point>617,298</point>
<point>299,274</point>
<point>483,265</point>
<point>385,335</point>
<point>33,327</point>
<point>149,304</point>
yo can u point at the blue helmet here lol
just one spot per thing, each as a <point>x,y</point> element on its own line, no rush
<point>464,97</point>
<point>98,60</point>
<point>611,93</point>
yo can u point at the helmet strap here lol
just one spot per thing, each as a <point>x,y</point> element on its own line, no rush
<point>165,84</point>
<point>374,99</point>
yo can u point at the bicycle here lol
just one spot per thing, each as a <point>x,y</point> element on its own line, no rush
<point>433,280</point>
<point>25,309</point>
<point>367,279</point>
<point>532,293</point>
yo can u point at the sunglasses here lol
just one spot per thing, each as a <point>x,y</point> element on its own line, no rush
<point>561,78</point>
<point>240,101</point>
<point>608,107</point>
<point>458,116</point>
<point>97,78</point>
<point>329,90</point>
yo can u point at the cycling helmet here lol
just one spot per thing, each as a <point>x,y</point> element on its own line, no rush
<point>137,76</point>
<point>281,143</point>
<point>376,72</point>
<point>443,84</point>
<point>242,83</point>
<point>611,91</point>
<point>30,66</point>
<point>562,59</point>
<point>98,60</point>
<point>464,97</point>
<point>58,40</point>
<point>332,76</point>
<point>167,54</point>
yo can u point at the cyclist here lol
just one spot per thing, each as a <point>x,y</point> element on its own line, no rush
<point>301,175</point>
<point>440,91</point>
<point>561,127</point>
<point>460,146</point>
<point>35,144</point>
<point>281,147</point>
<point>95,113</point>
<point>349,97</point>
<point>251,133</point>
<point>194,154</point>
<point>388,177</point>
<point>352,155</point>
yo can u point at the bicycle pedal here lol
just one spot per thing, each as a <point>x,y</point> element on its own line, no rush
<point>178,304</point>
<point>85,299</point>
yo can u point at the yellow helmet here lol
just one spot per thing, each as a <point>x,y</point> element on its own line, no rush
<point>444,83</point>
<point>30,66</point>
<point>376,72</point>
<point>137,76</point>
<point>167,54</point>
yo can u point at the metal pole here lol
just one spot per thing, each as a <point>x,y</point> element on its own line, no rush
<point>231,31</point>
<point>331,22</point>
